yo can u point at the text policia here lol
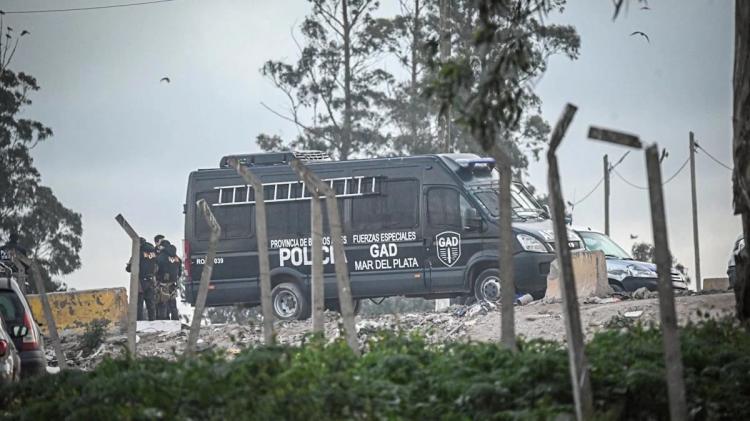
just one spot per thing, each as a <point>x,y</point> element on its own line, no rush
<point>382,254</point>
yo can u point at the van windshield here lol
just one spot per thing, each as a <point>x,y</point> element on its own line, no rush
<point>523,205</point>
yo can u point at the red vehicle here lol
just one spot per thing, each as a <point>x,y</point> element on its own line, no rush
<point>18,318</point>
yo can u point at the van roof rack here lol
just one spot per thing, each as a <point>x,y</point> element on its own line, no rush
<point>275,158</point>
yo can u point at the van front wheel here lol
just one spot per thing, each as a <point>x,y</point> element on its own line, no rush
<point>487,286</point>
<point>289,303</point>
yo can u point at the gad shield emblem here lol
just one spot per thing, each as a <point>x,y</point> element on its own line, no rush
<point>448,247</point>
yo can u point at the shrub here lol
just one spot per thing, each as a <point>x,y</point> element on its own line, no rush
<point>93,336</point>
<point>403,377</point>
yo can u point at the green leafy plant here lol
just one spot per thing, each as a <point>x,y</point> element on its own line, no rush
<point>403,377</point>
<point>93,335</point>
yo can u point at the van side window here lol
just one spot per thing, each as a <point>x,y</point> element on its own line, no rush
<point>443,208</point>
<point>236,221</point>
<point>396,207</point>
<point>286,219</point>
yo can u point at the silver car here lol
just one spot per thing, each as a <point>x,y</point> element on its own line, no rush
<point>625,273</point>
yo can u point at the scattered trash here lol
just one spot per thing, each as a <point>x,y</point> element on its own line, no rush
<point>643,293</point>
<point>633,314</point>
<point>524,299</point>
<point>599,300</point>
<point>534,317</point>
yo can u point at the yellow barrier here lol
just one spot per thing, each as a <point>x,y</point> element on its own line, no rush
<point>73,310</point>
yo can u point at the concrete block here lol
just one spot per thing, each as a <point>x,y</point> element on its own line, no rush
<point>442,303</point>
<point>715,284</point>
<point>73,310</point>
<point>590,270</point>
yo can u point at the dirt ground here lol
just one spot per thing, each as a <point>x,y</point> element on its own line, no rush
<point>478,322</point>
<point>539,320</point>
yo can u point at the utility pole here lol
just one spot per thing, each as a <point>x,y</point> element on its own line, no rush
<point>606,194</point>
<point>696,243</point>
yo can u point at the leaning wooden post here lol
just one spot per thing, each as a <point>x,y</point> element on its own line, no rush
<point>342,272</point>
<point>579,370</point>
<point>262,237</point>
<point>668,315</point>
<point>670,335</point>
<point>316,244</point>
<point>208,266</point>
<point>39,283</point>
<point>135,255</point>
<point>505,238</point>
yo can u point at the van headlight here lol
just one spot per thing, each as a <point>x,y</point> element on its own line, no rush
<point>530,243</point>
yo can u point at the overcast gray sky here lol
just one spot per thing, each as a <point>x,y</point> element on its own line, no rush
<point>115,125</point>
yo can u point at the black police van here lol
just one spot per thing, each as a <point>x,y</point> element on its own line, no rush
<point>418,226</point>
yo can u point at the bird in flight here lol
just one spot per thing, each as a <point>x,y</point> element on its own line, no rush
<point>633,236</point>
<point>165,79</point>
<point>25,32</point>
<point>643,34</point>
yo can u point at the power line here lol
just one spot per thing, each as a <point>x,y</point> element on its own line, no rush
<point>672,177</point>
<point>599,183</point>
<point>712,157</point>
<point>628,182</point>
<point>677,172</point>
<point>586,196</point>
<point>79,9</point>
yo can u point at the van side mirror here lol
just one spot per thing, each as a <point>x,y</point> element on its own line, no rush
<point>473,221</point>
<point>19,331</point>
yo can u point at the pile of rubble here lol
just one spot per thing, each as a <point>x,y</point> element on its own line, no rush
<point>167,339</point>
<point>477,322</point>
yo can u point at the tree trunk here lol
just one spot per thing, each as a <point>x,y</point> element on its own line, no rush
<point>741,175</point>
<point>414,51</point>
<point>444,132</point>
<point>346,134</point>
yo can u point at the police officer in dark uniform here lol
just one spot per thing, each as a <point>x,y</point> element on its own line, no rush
<point>169,271</point>
<point>147,272</point>
<point>9,251</point>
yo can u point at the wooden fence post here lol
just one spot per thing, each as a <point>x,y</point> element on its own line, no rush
<point>579,370</point>
<point>505,249</point>
<point>667,313</point>
<point>262,237</point>
<point>135,255</point>
<point>39,283</point>
<point>208,266</point>
<point>342,272</point>
<point>317,273</point>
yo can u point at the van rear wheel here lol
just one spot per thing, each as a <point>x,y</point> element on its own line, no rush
<point>487,286</point>
<point>289,303</point>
